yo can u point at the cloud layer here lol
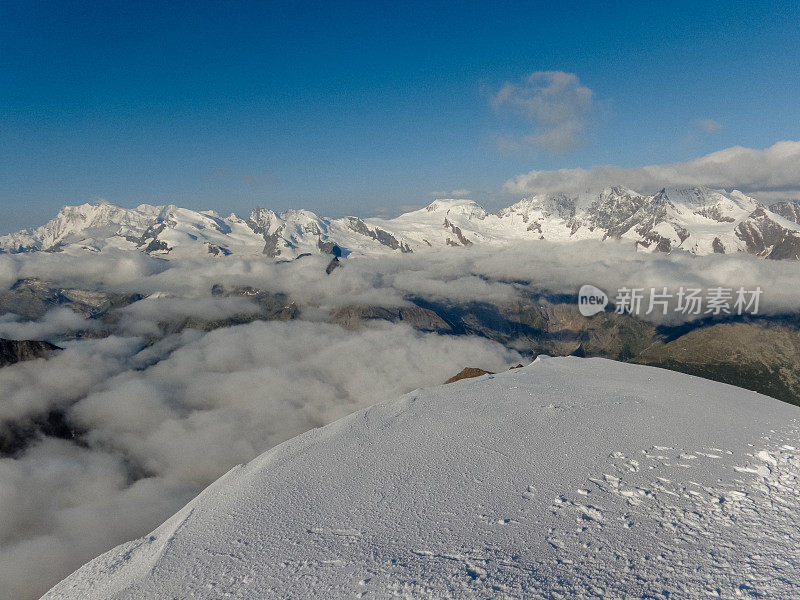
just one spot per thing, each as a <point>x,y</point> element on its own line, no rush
<point>770,174</point>
<point>162,422</point>
<point>159,421</point>
<point>555,103</point>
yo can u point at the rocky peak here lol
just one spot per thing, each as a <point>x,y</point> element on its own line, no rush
<point>787,210</point>
<point>14,351</point>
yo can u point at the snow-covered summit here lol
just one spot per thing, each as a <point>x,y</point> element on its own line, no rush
<point>454,205</point>
<point>696,220</point>
<point>569,478</point>
<point>77,223</point>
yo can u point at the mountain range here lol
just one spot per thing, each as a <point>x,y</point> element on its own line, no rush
<point>696,220</point>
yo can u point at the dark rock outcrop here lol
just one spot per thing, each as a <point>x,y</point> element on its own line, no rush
<point>274,242</point>
<point>379,235</point>
<point>767,238</point>
<point>14,351</point>
<point>787,210</point>
<point>422,319</point>
<point>333,265</point>
<point>467,373</point>
<point>462,239</point>
<point>274,306</point>
<point>31,298</point>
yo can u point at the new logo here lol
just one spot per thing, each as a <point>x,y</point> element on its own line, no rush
<point>591,300</point>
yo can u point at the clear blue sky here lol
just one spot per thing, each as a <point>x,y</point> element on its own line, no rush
<point>355,107</point>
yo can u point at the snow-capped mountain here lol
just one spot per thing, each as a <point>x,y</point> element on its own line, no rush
<point>697,220</point>
<point>569,478</point>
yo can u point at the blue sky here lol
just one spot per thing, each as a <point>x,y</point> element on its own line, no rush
<point>370,107</point>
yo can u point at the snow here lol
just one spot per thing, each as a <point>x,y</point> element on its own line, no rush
<point>700,214</point>
<point>569,478</point>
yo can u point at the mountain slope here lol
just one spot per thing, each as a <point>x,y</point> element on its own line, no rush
<point>698,220</point>
<point>14,351</point>
<point>567,478</point>
<point>763,356</point>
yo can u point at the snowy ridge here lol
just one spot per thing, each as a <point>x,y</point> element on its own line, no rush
<point>569,478</point>
<point>697,220</point>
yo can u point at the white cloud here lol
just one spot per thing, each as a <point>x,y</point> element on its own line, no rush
<point>33,387</point>
<point>469,274</point>
<point>163,421</point>
<point>112,267</point>
<point>145,316</point>
<point>59,321</point>
<point>555,103</point>
<point>210,402</point>
<point>775,171</point>
<point>709,125</point>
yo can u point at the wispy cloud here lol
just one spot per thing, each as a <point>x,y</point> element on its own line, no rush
<point>773,172</point>
<point>709,125</point>
<point>555,103</point>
